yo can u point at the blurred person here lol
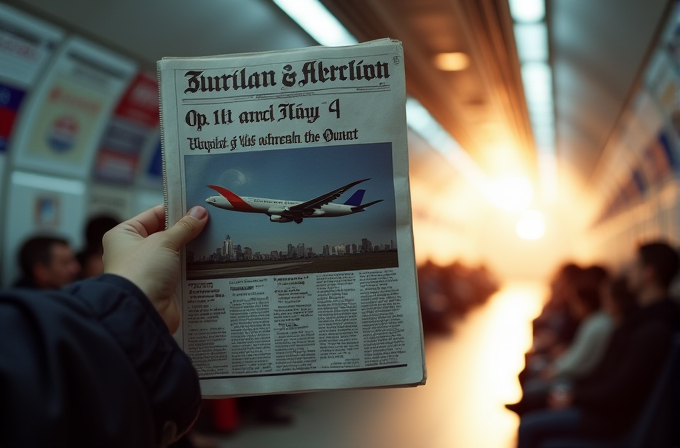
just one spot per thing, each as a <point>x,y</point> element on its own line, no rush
<point>618,301</point>
<point>581,357</point>
<point>554,314</point>
<point>90,258</point>
<point>608,400</point>
<point>554,330</point>
<point>591,339</point>
<point>94,364</point>
<point>46,262</point>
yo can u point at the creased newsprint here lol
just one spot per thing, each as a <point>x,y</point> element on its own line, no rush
<point>304,278</point>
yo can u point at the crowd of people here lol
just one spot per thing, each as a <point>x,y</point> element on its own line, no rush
<point>93,363</point>
<point>599,348</point>
<point>448,293</point>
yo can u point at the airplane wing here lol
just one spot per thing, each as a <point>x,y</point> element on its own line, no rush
<point>324,198</point>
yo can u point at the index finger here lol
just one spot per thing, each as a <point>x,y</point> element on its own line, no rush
<point>148,222</point>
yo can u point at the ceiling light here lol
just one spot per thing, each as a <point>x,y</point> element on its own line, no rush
<point>527,10</point>
<point>315,19</point>
<point>537,81</point>
<point>532,42</point>
<point>541,120</point>
<point>452,62</point>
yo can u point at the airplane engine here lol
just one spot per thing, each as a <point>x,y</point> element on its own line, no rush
<point>279,218</point>
<point>276,211</point>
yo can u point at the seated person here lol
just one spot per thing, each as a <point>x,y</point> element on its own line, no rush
<point>46,262</point>
<point>590,343</point>
<point>94,364</point>
<point>591,337</point>
<point>556,328</point>
<point>605,402</point>
<point>90,258</point>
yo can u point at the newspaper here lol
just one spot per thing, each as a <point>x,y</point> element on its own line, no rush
<point>304,278</point>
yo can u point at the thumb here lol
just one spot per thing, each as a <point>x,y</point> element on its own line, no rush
<point>187,228</point>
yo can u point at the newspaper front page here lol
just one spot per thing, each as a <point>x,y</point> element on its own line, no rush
<point>304,278</point>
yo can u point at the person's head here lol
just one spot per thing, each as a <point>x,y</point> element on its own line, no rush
<point>585,301</point>
<point>655,266</point>
<point>563,284</point>
<point>91,263</point>
<point>95,229</point>
<point>48,262</point>
<point>617,300</point>
<point>593,276</point>
<point>566,274</point>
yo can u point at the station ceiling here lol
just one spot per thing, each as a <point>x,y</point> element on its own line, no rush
<point>596,48</point>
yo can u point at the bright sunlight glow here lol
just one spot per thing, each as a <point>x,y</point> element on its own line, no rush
<point>511,193</point>
<point>531,225</point>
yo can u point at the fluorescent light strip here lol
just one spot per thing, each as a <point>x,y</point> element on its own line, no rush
<point>527,11</point>
<point>317,21</point>
<point>531,36</point>
<point>420,120</point>
<point>532,42</point>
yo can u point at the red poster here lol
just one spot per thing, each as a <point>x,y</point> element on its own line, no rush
<point>140,102</point>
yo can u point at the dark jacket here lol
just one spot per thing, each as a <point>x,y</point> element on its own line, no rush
<point>613,394</point>
<point>90,365</point>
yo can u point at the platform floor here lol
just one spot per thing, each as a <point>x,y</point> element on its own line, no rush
<point>471,374</point>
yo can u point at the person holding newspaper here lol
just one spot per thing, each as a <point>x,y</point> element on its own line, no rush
<point>94,363</point>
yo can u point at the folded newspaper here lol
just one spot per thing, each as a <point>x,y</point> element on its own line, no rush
<point>304,278</point>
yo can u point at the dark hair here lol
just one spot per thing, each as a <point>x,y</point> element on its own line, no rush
<point>37,250</point>
<point>662,258</point>
<point>589,296</point>
<point>594,275</point>
<point>623,299</point>
<point>569,271</point>
<point>95,229</point>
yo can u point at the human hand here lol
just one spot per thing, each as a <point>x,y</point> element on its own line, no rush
<point>142,252</point>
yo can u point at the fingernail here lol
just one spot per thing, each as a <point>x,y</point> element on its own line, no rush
<point>198,212</point>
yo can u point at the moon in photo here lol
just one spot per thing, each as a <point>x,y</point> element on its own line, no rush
<point>232,178</point>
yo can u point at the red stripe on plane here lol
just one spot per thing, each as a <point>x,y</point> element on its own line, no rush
<point>236,201</point>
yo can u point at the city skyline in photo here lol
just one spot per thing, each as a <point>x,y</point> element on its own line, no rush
<point>294,175</point>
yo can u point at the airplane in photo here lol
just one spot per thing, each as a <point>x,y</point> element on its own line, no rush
<point>280,210</point>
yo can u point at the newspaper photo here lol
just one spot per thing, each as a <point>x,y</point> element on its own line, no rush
<point>304,278</point>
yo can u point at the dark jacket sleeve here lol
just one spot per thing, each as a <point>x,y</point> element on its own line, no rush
<point>90,365</point>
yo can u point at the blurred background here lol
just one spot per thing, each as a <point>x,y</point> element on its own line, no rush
<point>541,132</point>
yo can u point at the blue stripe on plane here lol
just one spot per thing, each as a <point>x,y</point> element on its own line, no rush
<point>356,198</point>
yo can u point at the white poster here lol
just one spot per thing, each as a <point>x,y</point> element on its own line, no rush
<point>63,122</point>
<point>26,44</point>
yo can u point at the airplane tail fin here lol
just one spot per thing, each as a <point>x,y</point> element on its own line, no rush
<point>355,199</point>
<point>360,208</point>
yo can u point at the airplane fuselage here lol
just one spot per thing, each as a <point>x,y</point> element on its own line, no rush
<point>278,206</point>
<point>281,210</point>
